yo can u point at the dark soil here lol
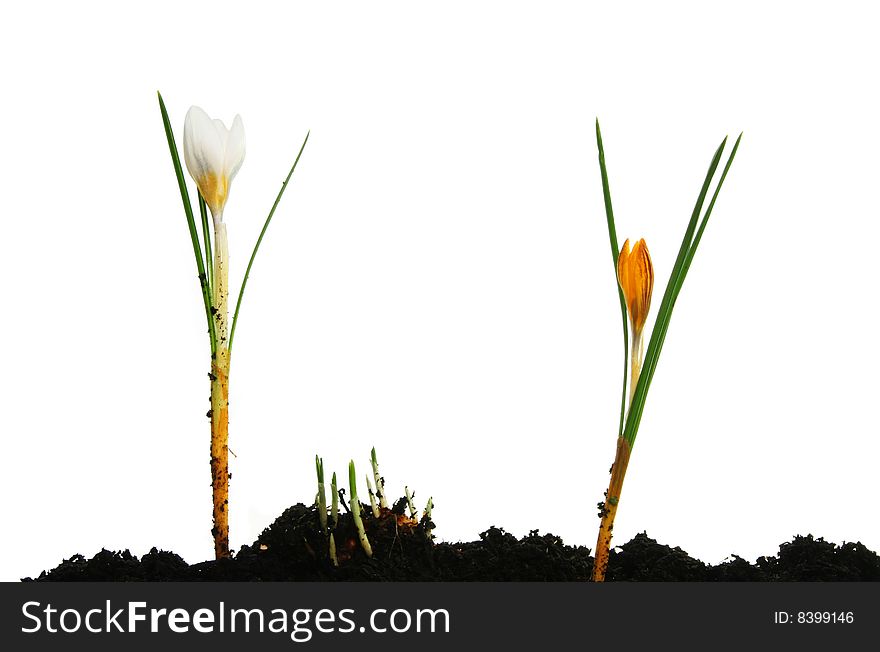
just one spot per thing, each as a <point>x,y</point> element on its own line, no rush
<point>294,548</point>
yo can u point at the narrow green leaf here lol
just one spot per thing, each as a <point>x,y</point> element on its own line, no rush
<point>190,220</point>
<point>260,240</point>
<point>615,251</point>
<point>664,314</point>
<point>699,236</point>
<point>690,255</point>
<point>676,279</point>
<point>206,236</point>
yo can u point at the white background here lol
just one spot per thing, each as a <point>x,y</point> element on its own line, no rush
<point>437,281</point>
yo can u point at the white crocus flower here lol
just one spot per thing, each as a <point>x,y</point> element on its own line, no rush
<point>213,156</point>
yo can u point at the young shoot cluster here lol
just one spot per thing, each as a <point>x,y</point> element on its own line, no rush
<point>378,505</point>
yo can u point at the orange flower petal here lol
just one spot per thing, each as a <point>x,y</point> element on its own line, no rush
<point>635,273</point>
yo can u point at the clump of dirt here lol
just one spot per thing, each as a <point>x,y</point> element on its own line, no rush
<point>808,559</point>
<point>643,559</point>
<point>295,548</point>
<point>499,557</point>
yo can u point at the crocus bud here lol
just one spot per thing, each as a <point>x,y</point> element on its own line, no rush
<point>635,273</point>
<point>213,155</point>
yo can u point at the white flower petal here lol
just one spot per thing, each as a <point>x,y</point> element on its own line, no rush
<point>222,132</point>
<point>203,149</point>
<point>235,149</point>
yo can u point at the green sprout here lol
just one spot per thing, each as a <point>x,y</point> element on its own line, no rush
<point>426,516</point>
<point>635,277</point>
<point>322,498</point>
<point>213,155</point>
<point>356,510</point>
<point>321,506</point>
<point>334,502</point>
<point>373,505</point>
<point>332,548</point>
<point>380,483</point>
<point>409,502</point>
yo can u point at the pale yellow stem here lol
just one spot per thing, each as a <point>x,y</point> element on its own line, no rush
<point>618,472</point>
<point>221,282</point>
<point>636,356</point>
<point>220,395</point>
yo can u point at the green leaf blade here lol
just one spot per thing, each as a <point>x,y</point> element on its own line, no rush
<point>670,295</point>
<point>206,236</point>
<point>615,251</point>
<point>260,240</point>
<point>191,223</point>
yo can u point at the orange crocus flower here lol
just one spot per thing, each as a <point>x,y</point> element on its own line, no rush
<point>635,273</point>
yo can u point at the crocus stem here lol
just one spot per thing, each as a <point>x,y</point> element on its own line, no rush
<point>220,395</point>
<point>221,283</point>
<point>618,470</point>
<point>635,363</point>
<point>609,510</point>
<point>220,451</point>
